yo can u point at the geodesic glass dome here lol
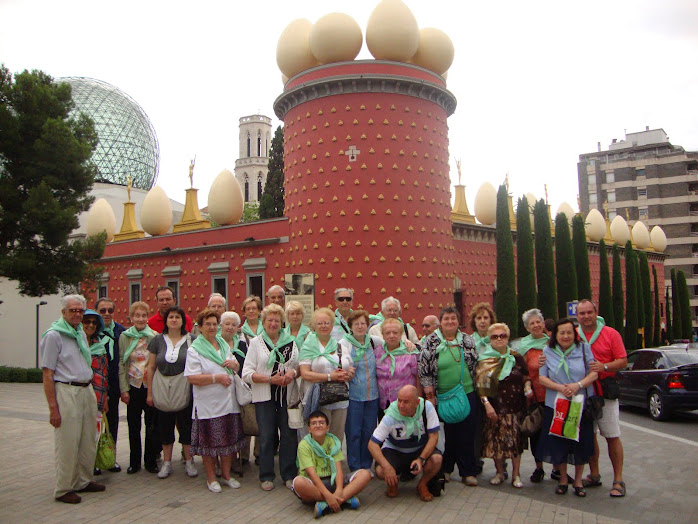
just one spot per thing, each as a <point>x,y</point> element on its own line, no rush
<point>128,145</point>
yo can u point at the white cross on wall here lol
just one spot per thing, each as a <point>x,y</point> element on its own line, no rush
<point>353,153</point>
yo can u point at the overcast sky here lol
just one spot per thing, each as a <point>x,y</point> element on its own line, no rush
<point>537,82</point>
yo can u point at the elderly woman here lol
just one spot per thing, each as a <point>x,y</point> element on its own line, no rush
<point>566,370</point>
<point>447,359</point>
<point>531,348</point>
<point>503,384</point>
<point>480,319</point>
<point>295,312</point>
<point>133,344</point>
<point>216,426</point>
<point>322,361</point>
<point>93,325</point>
<point>362,415</point>
<point>396,365</point>
<point>168,355</point>
<point>271,367</point>
<point>391,308</point>
<point>251,308</point>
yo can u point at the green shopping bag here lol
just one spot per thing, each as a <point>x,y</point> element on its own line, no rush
<point>106,449</point>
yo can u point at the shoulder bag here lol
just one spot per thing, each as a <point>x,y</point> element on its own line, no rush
<point>331,392</point>
<point>243,392</point>
<point>593,407</point>
<point>454,406</point>
<point>533,419</point>
<point>106,449</point>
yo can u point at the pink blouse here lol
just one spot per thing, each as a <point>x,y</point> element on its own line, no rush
<point>405,374</point>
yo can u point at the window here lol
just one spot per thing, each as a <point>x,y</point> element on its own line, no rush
<point>259,143</point>
<point>247,188</point>
<point>135,294</point>
<point>255,285</point>
<point>644,213</point>
<point>642,192</point>
<point>640,172</point>
<point>103,291</point>
<point>174,284</point>
<point>220,285</point>
<point>592,180</point>
<point>248,145</point>
<point>610,177</point>
<point>259,186</point>
<point>611,215</point>
<point>592,199</point>
<point>611,196</point>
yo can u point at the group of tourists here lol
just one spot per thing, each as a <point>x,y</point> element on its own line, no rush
<point>405,407</point>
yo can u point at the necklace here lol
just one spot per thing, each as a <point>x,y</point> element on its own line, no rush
<point>449,346</point>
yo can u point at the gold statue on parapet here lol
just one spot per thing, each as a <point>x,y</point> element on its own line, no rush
<point>191,172</point>
<point>459,173</point>
<point>545,187</point>
<point>128,187</point>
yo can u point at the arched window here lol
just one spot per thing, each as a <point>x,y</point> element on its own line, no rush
<point>259,143</point>
<point>248,144</point>
<point>259,187</point>
<point>247,188</point>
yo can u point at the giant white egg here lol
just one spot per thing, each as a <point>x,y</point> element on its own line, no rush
<point>435,51</point>
<point>620,231</point>
<point>531,204</point>
<point>335,37</point>
<point>595,225</point>
<point>293,53</point>
<point>567,210</point>
<point>225,199</point>
<point>101,218</point>
<point>641,237</point>
<point>658,238</point>
<point>486,204</point>
<point>392,32</point>
<point>156,212</point>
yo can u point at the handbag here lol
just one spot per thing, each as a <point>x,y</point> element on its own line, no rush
<point>295,417</point>
<point>610,388</point>
<point>454,406</point>
<point>170,393</point>
<point>593,407</point>
<point>243,393</point>
<point>106,449</point>
<point>249,420</point>
<point>567,415</point>
<point>331,392</point>
<point>533,419</point>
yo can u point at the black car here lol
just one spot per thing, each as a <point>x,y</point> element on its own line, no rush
<point>661,379</point>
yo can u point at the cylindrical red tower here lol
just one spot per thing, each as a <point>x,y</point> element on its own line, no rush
<point>366,176</point>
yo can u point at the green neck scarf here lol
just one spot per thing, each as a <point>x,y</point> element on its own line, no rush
<point>445,344</point>
<point>321,453</point>
<point>133,333</point>
<point>311,349</point>
<point>400,350</point>
<point>481,342</point>
<point>360,348</point>
<point>379,317</point>
<point>339,320</point>
<point>301,336</point>
<point>411,423</point>
<point>234,345</point>
<point>600,323</point>
<point>528,342</point>
<point>247,330</point>
<point>274,354</point>
<point>98,348</point>
<point>108,339</point>
<point>509,360</point>
<point>62,327</point>
<point>563,358</point>
<point>204,348</point>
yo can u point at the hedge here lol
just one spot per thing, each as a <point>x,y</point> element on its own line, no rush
<point>12,374</point>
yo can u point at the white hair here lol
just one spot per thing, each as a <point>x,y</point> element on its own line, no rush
<point>217,295</point>
<point>276,288</point>
<point>343,290</point>
<point>72,298</point>
<point>386,301</point>
<point>231,314</point>
<point>530,315</point>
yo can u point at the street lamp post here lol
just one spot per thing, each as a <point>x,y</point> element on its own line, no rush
<point>42,303</point>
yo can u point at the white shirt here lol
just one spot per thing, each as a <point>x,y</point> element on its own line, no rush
<point>323,365</point>
<point>211,400</point>
<point>391,433</point>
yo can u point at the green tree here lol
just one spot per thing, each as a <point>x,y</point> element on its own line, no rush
<point>669,325</point>
<point>525,269</point>
<point>618,296</point>
<point>45,178</point>
<point>656,334</point>
<point>506,308</point>
<point>271,205</point>
<point>646,288</point>
<point>631,298</point>
<point>605,297</point>
<point>677,327</point>
<point>545,269</point>
<point>564,262</point>
<point>250,213</point>
<point>581,257</point>
<point>640,300</point>
<point>685,301</point>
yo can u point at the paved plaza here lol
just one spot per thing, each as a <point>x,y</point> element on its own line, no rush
<point>661,474</point>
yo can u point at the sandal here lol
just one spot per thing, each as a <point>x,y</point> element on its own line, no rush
<point>591,481</point>
<point>620,489</point>
<point>579,491</point>
<point>538,476</point>
<point>561,489</point>
<point>497,479</point>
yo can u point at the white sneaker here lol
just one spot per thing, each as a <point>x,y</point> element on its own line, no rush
<point>289,484</point>
<point>191,469</point>
<point>214,486</point>
<point>231,482</point>
<point>165,470</point>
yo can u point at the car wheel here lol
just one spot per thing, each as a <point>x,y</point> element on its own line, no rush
<point>657,407</point>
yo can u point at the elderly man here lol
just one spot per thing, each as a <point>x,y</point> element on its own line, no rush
<point>390,308</point>
<point>67,376</point>
<point>277,295</point>
<point>164,295</point>
<point>343,301</point>
<point>429,325</point>
<point>609,357</point>
<point>112,331</point>
<point>405,442</point>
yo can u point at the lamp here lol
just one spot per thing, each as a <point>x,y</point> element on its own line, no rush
<point>42,303</point>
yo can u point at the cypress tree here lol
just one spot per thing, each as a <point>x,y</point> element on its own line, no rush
<point>669,325</point>
<point>685,301</point>
<point>605,297</point>
<point>271,203</point>
<point>656,333</point>
<point>545,270</point>
<point>581,257</point>
<point>506,308</point>
<point>618,296</point>
<point>525,270</point>
<point>640,300</point>
<point>677,328</point>
<point>646,287</point>
<point>564,262</point>
<point>631,298</point>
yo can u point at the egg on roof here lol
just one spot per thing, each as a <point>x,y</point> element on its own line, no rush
<point>156,212</point>
<point>101,218</point>
<point>658,237</point>
<point>392,32</point>
<point>293,53</point>
<point>595,225</point>
<point>641,237</point>
<point>486,204</point>
<point>435,51</point>
<point>335,37</point>
<point>620,231</point>
<point>225,199</point>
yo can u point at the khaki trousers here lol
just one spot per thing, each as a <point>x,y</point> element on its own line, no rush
<point>74,439</point>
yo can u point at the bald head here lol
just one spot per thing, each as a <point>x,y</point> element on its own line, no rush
<point>429,324</point>
<point>407,400</point>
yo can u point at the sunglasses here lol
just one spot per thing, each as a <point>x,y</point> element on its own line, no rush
<point>106,310</point>
<point>344,299</point>
<point>426,325</point>
<point>76,311</point>
<point>89,321</point>
<point>503,336</point>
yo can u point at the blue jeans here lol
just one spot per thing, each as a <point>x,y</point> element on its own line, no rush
<point>460,442</point>
<point>362,418</point>
<point>272,419</point>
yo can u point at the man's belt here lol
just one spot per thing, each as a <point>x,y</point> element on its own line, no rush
<point>72,383</point>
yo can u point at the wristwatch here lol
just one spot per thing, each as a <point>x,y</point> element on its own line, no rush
<point>328,377</point>
<point>424,461</point>
<point>605,367</point>
<point>485,400</point>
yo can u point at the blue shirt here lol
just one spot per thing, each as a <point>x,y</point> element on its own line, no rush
<point>364,386</point>
<point>575,362</point>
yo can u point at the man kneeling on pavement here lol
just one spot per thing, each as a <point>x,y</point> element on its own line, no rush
<point>405,442</point>
<point>321,479</point>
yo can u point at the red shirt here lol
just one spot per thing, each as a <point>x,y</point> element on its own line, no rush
<point>607,348</point>
<point>157,323</point>
<point>531,358</point>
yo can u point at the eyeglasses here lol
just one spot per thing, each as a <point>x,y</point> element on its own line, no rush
<point>323,324</point>
<point>106,310</point>
<point>344,299</point>
<point>75,311</point>
<point>426,325</point>
<point>503,336</point>
<point>89,321</point>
